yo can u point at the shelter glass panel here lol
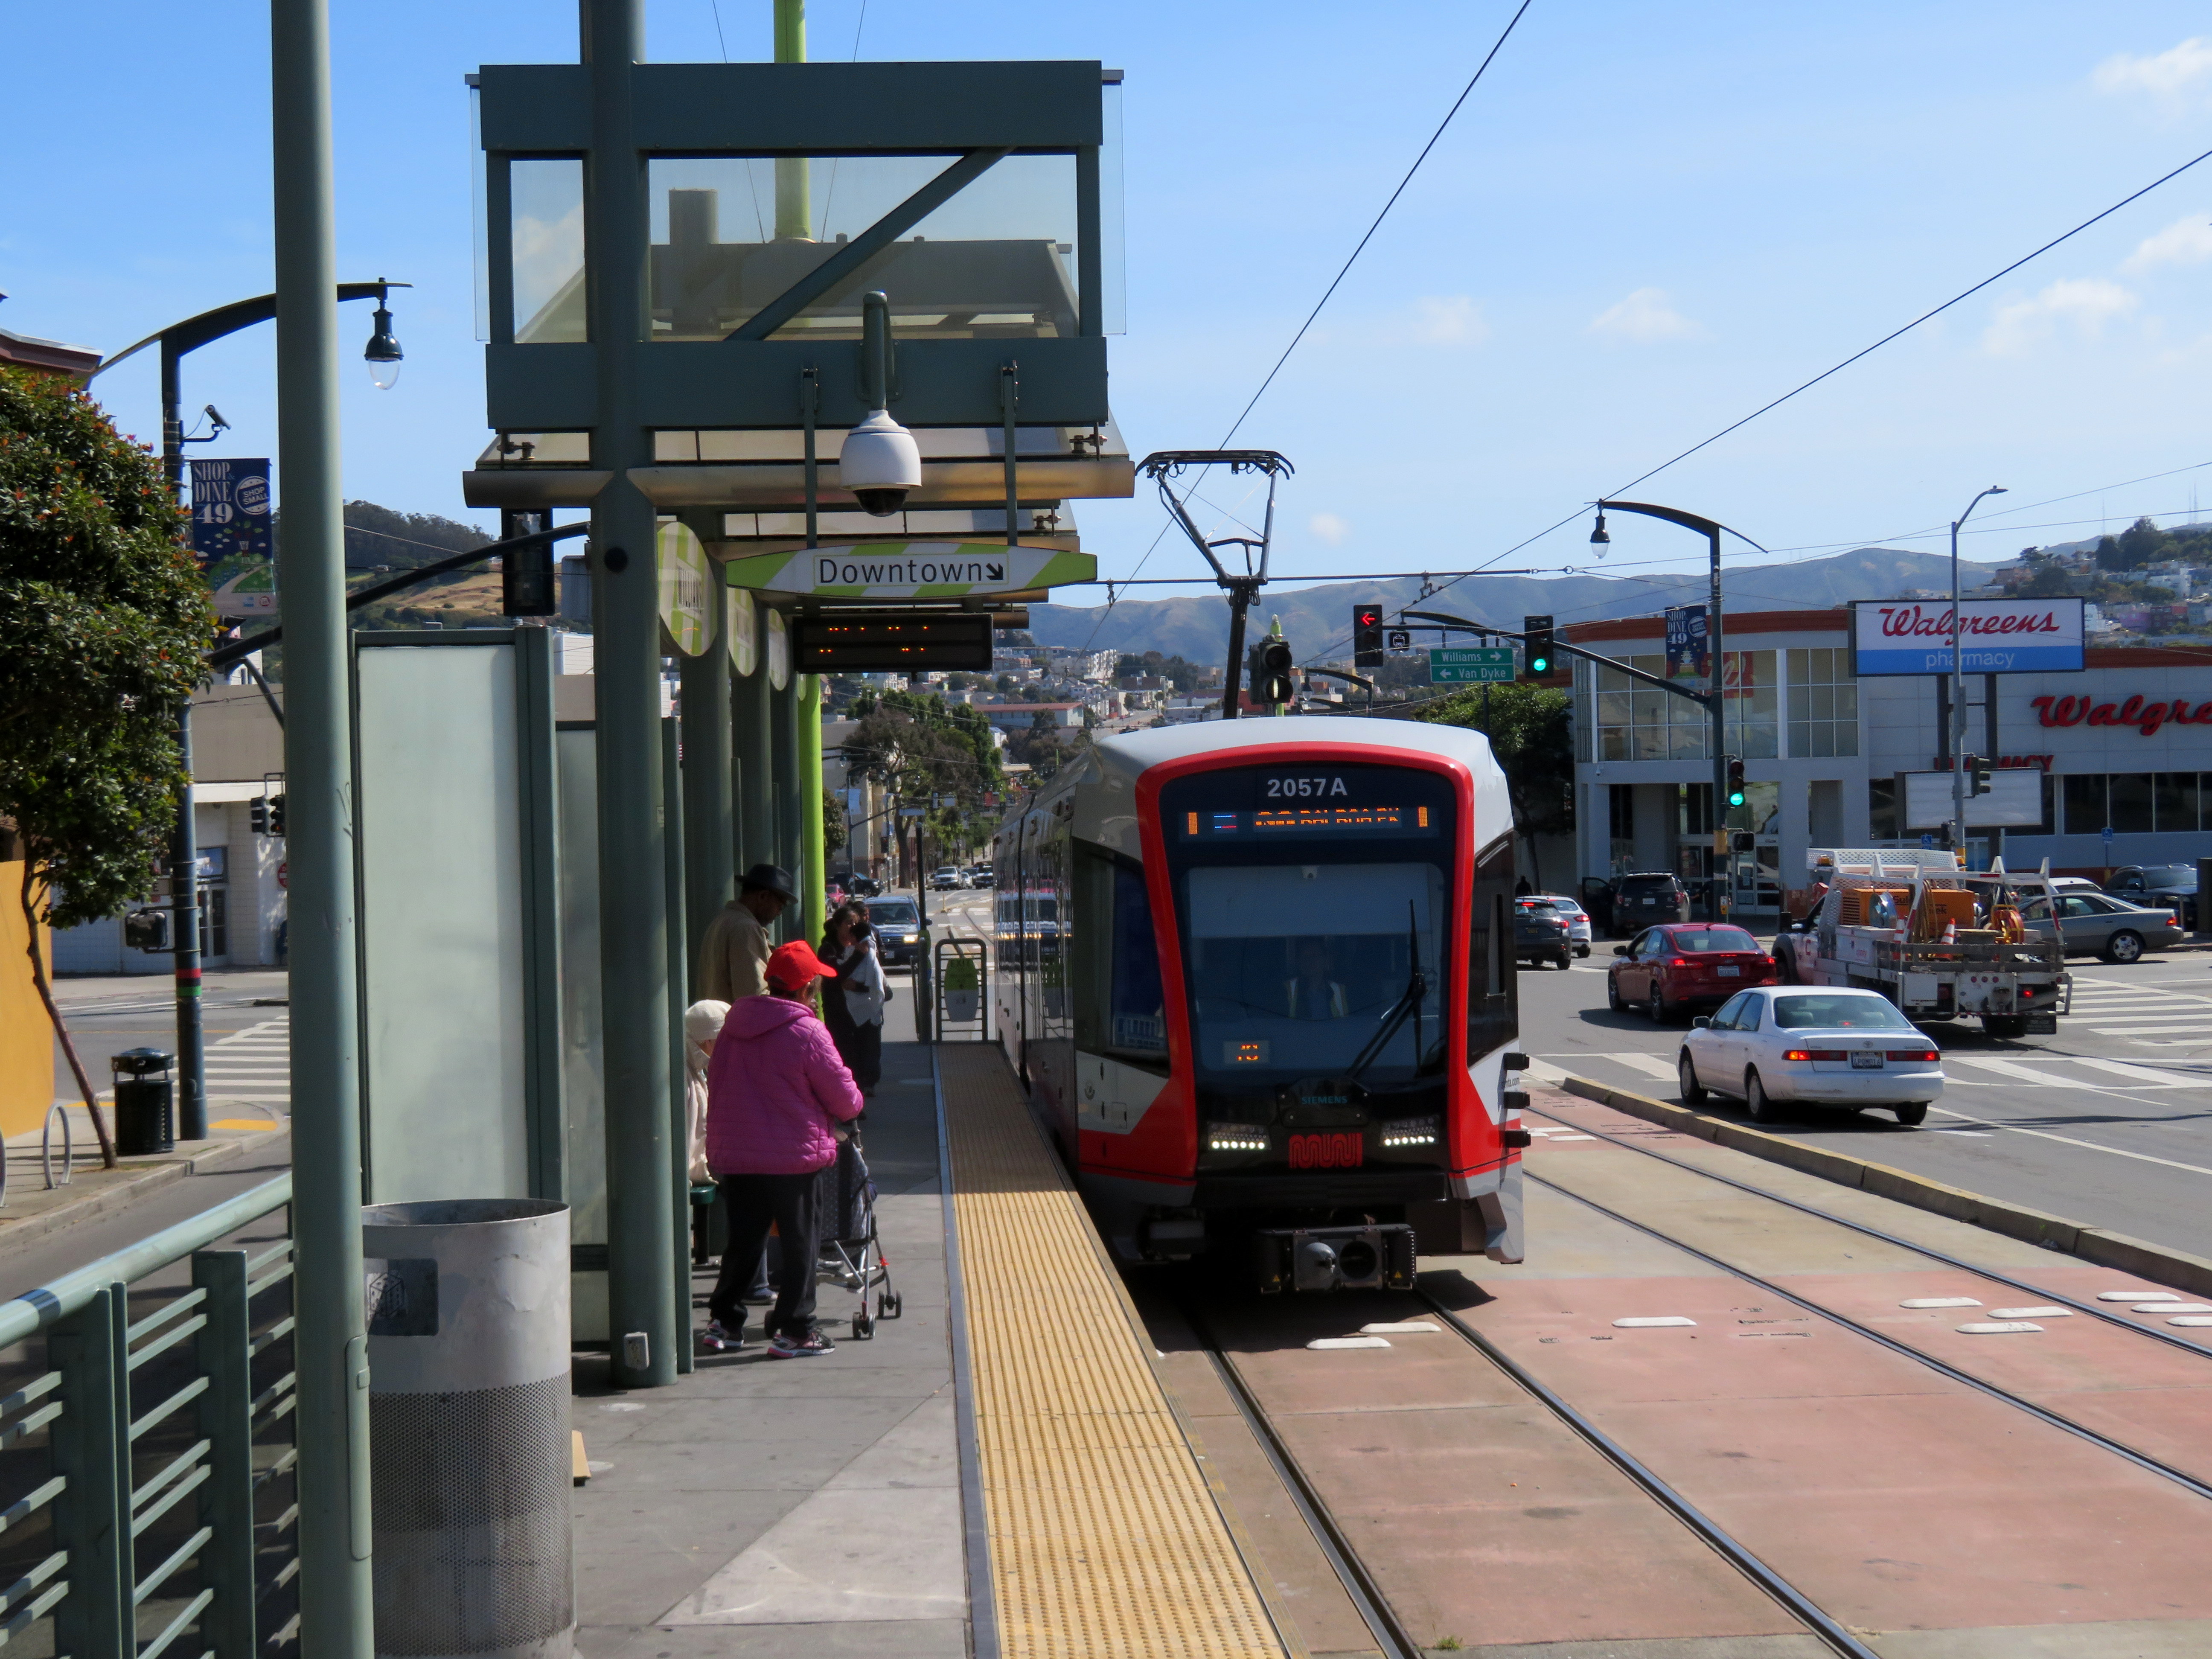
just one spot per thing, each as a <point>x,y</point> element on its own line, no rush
<point>546,232</point>
<point>731,233</point>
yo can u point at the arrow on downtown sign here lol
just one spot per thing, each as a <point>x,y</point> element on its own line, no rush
<point>910,570</point>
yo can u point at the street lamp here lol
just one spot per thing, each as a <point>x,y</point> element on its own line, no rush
<point>383,354</point>
<point>1599,538</point>
<point>1956,738</point>
<point>1712,530</point>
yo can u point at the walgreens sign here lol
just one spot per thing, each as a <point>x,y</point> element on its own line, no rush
<point>1996,637</point>
<point>2145,716</point>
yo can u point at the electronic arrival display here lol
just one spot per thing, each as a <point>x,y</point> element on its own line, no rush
<point>1338,822</point>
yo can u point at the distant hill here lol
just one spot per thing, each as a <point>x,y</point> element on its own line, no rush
<point>1318,620</point>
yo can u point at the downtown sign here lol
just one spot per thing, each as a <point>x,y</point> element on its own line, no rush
<point>1996,637</point>
<point>910,570</point>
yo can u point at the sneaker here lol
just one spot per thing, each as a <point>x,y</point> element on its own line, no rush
<point>762,1295</point>
<point>719,1338</point>
<point>800,1347</point>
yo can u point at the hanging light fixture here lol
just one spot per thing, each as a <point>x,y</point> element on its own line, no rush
<point>1599,538</point>
<point>383,355</point>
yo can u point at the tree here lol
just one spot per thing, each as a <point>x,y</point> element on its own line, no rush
<point>104,619</point>
<point>2109,556</point>
<point>2140,544</point>
<point>1531,734</point>
<point>924,750</point>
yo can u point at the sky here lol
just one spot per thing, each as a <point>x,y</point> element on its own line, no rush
<point>1647,220</point>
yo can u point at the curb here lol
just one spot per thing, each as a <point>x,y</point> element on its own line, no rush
<point>116,1194</point>
<point>2100,1245</point>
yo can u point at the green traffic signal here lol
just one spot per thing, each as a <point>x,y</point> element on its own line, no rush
<point>1540,664</point>
<point>1736,797</point>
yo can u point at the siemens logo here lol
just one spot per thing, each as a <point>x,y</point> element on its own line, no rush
<point>919,573</point>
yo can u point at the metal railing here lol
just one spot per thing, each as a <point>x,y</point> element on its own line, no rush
<point>147,1500</point>
<point>965,1005</point>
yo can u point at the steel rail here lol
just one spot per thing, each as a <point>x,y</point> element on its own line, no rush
<point>1928,1250</point>
<point>1367,1596</point>
<point>2041,1413</point>
<point>1715,1536</point>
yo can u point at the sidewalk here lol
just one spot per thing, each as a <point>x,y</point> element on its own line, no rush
<point>792,1507</point>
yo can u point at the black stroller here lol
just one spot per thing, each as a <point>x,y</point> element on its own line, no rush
<point>848,1252</point>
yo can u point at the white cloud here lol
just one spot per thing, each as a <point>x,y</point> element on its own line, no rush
<point>1645,317</point>
<point>2167,74</point>
<point>1449,320</point>
<point>2087,302</point>
<point>2187,241</point>
<point>1330,528</point>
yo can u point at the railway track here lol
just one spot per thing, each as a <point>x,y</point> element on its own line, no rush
<point>1254,1381</point>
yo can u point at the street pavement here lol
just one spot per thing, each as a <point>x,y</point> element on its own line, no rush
<point>247,1031</point>
<point>2108,1123</point>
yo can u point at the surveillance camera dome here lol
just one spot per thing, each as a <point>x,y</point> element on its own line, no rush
<point>880,463</point>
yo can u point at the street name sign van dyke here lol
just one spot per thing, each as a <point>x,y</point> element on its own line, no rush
<point>911,570</point>
<point>1996,637</point>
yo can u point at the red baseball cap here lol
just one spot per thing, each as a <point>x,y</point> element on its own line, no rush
<point>790,966</point>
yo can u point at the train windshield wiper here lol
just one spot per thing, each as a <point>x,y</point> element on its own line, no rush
<point>1407,1005</point>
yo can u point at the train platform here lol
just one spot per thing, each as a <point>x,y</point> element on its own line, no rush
<point>1725,1410</point>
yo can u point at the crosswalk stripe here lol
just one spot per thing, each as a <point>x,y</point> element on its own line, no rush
<point>2004,1069</point>
<point>2143,1074</point>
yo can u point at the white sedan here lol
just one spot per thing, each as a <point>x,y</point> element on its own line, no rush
<point>1577,918</point>
<point>1830,1047</point>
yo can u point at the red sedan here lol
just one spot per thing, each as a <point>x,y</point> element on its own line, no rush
<point>1667,971</point>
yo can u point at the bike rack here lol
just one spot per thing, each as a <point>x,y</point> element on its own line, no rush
<point>948,951</point>
<point>46,1151</point>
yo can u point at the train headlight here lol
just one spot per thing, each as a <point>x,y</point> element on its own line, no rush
<point>1237,1138</point>
<point>1411,1132</point>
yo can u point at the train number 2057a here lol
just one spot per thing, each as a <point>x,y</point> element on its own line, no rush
<point>1304,788</point>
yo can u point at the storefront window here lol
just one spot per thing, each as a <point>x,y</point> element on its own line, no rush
<point>2085,805</point>
<point>1641,722</point>
<point>1824,704</point>
<point>1752,705</point>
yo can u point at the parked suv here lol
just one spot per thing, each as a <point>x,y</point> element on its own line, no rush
<point>1644,898</point>
<point>2155,885</point>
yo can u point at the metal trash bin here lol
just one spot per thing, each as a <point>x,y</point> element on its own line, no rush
<point>145,1104</point>
<point>467,1304</point>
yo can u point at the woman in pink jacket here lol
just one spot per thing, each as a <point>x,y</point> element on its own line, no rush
<point>775,1088</point>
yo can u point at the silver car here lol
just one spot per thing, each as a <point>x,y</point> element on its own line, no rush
<point>2113,928</point>
<point>1577,918</point>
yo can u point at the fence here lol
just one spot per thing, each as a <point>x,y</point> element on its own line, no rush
<point>149,1501</point>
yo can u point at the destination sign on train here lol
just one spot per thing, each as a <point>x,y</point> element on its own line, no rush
<point>1348,821</point>
<point>903,570</point>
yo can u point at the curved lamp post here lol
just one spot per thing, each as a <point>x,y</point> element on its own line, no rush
<point>1717,742</point>
<point>383,355</point>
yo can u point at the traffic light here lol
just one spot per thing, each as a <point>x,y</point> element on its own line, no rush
<point>1734,782</point>
<point>1366,636</point>
<point>1536,637</point>
<point>257,813</point>
<point>1271,672</point>
<point>1978,769</point>
<point>526,587</point>
<point>276,814</point>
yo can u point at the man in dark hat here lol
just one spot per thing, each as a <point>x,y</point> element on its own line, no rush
<point>733,956</point>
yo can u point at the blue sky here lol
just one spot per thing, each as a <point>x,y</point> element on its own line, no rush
<point>1649,220</point>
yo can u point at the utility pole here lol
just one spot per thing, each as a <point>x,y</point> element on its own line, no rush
<point>634,915</point>
<point>330,1346</point>
<point>1957,734</point>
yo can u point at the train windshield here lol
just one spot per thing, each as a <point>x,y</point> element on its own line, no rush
<point>1314,903</point>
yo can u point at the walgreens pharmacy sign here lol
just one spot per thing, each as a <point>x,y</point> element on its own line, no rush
<point>2145,715</point>
<point>1996,637</point>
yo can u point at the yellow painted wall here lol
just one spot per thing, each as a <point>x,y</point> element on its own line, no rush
<point>26,1038</point>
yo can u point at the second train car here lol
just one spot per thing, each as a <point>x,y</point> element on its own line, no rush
<point>1275,1012</point>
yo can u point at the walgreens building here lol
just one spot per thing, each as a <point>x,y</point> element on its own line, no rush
<point>2124,745</point>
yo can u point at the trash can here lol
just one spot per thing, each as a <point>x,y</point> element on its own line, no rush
<point>145,1103</point>
<point>467,1304</point>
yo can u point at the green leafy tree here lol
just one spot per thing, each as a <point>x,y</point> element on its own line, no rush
<point>1531,734</point>
<point>104,620</point>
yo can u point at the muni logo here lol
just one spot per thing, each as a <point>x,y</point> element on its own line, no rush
<point>1328,1151</point>
<point>886,573</point>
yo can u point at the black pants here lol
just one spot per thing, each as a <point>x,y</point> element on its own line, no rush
<point>754,1201</point>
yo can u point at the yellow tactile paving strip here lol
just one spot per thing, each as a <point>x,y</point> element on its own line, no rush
<point>1105,1542</point>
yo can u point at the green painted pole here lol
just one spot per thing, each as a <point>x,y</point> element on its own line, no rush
<point>810,804</point>
<point>753,758</point>
<point>681,961</point>
<point>794,207</point>
<point>633,918</point>
<point>783,770</point>
<point>710,829</point>
<point>336,1611</point>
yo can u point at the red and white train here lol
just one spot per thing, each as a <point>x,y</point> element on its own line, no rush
<point>1259,976</point>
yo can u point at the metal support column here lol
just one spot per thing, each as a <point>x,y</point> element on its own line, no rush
<point>336,1606</point>
<point>710,829</point>
<point>1995,832</point>
<point>184,936</point>
<point>752,759</point>
<point>1716,907</point>
<point>683,954</point>
<point>783,773</point>
<point>816,891</point>
<point>634,915</point>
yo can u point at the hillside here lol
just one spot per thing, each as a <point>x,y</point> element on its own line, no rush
<point>1317,620</point>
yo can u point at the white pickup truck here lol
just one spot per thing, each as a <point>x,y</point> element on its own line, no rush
<point>1940,942</point>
